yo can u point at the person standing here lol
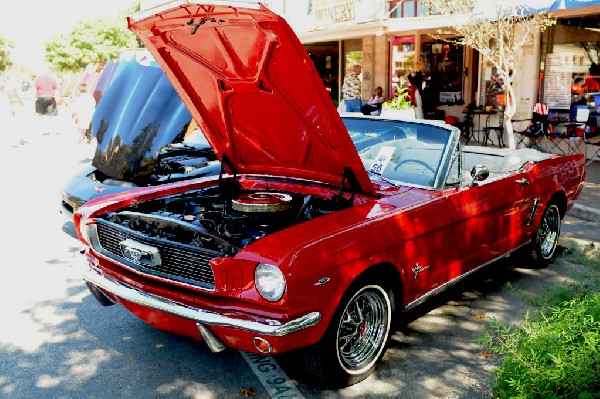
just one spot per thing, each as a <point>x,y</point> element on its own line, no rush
<point>415,77</point>
<point>351,90</point>
<point>83,107</point>
<point>45,92</point>
<point>591,84</point>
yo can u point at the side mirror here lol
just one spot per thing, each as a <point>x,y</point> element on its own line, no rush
<point>479,173</point>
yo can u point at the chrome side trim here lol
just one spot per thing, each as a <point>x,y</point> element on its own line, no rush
<point>536,204</point>
<point>450,283</point>
<point>265,327</point>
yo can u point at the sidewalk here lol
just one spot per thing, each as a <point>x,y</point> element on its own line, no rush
<point>587,207</point>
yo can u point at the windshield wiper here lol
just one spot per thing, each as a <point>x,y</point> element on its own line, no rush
<point>371,173</point>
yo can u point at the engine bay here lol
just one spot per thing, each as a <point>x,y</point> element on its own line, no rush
<point>208,219</point>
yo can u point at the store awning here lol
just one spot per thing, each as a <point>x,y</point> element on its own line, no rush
<point>536,5</point>
<point>569,4</point>
<point>489,10</point>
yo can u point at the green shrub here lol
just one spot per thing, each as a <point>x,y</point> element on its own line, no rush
<point>555,354</point>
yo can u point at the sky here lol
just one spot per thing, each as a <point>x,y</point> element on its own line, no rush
<point>29,24</point>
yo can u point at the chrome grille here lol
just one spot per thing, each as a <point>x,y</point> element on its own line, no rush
<point>180,262</point>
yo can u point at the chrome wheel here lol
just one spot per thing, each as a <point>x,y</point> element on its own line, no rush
<point>549,231</point>
<point>363,329</point>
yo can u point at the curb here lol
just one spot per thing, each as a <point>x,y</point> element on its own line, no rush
<point>585,213</point>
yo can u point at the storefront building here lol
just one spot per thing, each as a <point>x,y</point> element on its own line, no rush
<point>387,37</point>
<point>570,65</point>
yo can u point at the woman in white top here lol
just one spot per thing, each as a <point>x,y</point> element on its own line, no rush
<point>374,104</point>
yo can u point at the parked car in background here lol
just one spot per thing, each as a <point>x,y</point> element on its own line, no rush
<point>145,136</point>
<point>320,229</point>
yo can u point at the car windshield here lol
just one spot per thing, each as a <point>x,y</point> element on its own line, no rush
<point>402,152</point>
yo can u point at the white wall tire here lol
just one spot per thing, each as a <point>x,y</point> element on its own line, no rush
<point>545,238</point>
<point>355,340</point>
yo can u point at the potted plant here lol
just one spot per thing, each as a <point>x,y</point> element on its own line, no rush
<point>399,106</point>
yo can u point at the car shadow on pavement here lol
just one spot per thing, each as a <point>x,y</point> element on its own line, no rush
<point>71,347</point>
<point>432,352</point>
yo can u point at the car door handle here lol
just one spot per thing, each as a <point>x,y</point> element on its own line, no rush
<point>522,182</point>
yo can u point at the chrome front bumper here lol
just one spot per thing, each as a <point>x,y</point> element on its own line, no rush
<point>265,327</point>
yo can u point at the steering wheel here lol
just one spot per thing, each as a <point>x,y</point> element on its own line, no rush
<point>418,162</point>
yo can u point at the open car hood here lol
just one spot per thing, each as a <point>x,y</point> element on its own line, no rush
<point>138,115</point>
<point>253,89</point>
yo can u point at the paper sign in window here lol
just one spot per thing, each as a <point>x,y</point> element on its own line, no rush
<point>382,159</point>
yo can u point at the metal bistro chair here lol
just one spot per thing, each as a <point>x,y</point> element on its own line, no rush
<point>537,129</point>
<point>467,126</point>
<point>579,116</point>
<point>566,134</point>
<point>594,146</point>
<point>498,128</point>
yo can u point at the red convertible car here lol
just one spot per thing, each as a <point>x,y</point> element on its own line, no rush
<point>320,229</point>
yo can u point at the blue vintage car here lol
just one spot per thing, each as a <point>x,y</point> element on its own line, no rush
<point>145,136</point>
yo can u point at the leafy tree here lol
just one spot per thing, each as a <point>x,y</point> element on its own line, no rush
<point>91,41</point>
<point>498,30</point>
<point>5,61</point>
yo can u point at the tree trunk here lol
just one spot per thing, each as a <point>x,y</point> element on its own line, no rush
<point>509,112</point>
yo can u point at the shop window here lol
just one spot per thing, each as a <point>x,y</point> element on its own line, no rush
<point>408,8</point>
<point>570,76</point>
<point>325,56</point>
<point>444,78</point>
<point>492,93</point>
<point>352,58</point>
<point>570,70</point>
<point>403,60</point>
<point>352,55</point>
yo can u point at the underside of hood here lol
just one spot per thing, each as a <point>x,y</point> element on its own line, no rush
<point>139,114</point>
<point>253,89</point>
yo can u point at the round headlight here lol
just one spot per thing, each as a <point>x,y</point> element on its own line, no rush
<point>270,282</point>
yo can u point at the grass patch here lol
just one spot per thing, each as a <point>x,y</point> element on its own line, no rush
<point>555,352</point>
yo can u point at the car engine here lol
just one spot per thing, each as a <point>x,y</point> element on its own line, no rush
<point>205,219</point>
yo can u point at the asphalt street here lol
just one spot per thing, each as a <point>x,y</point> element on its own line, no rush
<point>57,342</point>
